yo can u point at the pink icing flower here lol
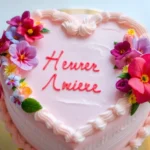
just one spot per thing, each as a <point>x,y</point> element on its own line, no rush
<point>17,98</point>
<point>130,39</point>
<point>13,81</point>
<point>23,55</point>
<point>4,43</point>
<point>121,49</point>
<point>121,62</point>
<point>139,70</point>
<point>17,20</point>
<point>29,31</point>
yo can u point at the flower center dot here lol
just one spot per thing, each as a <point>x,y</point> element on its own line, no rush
<point>145,78</point>
<point>12,81</point>
<point>122,51</point>
<point>30,31</point>
<point>16,38</point>
<point>141,50</point>
<point>22,57</point>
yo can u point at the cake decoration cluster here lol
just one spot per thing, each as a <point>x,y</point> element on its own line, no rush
<point>132,56</point>
<point>17,55</point>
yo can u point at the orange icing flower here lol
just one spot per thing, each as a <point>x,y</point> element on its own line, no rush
<point>38,23</point>
<point>26,91</point>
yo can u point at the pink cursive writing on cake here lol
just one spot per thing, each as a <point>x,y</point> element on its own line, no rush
<point>77,66</point>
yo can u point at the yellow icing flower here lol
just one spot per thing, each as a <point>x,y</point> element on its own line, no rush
<point>23,84</point>
<point>131,32</point>
<point>11,68</point>
<point>125,69</point>
<point>132,99</point>
<point>19,149</point>
<point>26,91</point>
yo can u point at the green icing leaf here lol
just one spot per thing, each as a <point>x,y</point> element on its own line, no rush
<point>124,76</point>
<point>134,108</point>
<point>115,67</point>
<point>14,88</point>
<point>22,80</point>
<point>115,43</point>
<point>44,30</point>
<point>30,105</point>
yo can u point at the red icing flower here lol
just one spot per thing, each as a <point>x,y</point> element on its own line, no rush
<point>139,70</point>
<point>29,31</point>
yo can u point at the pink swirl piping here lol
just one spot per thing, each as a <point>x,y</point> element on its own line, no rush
<point>73,27</point>
<point>91,127</point>
<point>141,135</point>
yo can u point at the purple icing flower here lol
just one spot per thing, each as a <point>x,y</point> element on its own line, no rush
<point>121,49</point>
<point>23,55</point>
<point>13,36</point>
<point>13,81</point>
<point>142,45</point>
<point>120,63</point>
<point>16,98</point>
<point>17,20</point>
<point>123,86</point>
<point>4,43</point>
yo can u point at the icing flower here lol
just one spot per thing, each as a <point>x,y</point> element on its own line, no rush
<point>132,99</point>
<point>23,55</point>
<point>4,43</point>
<point>16,98</point>
<point>131,32</point>
<point>13,81</point>
<point>125,69</point>
<point>121,49</point>
<point>17,20</point>
<point>3,61</point>
<point>13,36</point>
<point>120,63</point>
<point>139,70</point>
<point>130,37</point>
<point>29,31</point>
<point>123,86</point>
<point>25,89</point>
<point>9,69</point>
<point>142,45</point>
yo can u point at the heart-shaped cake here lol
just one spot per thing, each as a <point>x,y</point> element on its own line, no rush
<point>75,80</point>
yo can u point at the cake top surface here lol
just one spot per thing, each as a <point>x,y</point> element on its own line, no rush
<point>68,78</point>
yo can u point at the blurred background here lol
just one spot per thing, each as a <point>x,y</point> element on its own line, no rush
<point>137,9</point>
